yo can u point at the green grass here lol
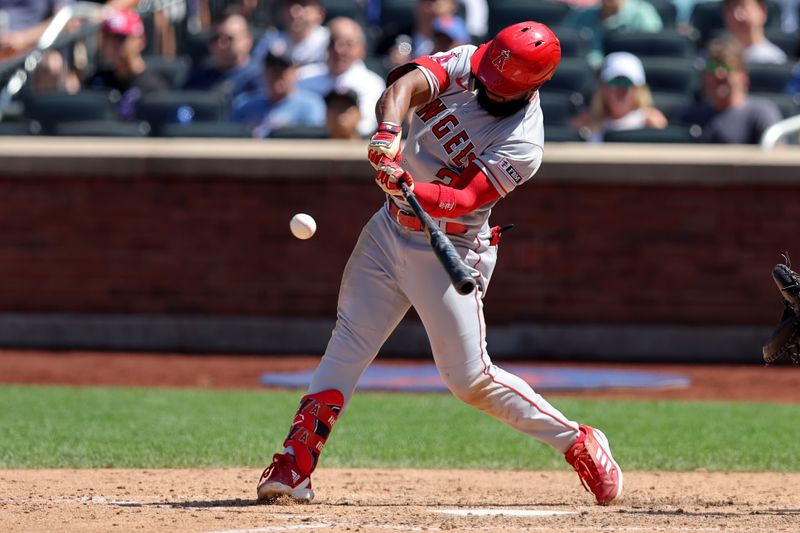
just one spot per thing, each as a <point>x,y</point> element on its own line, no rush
<point>154,428</point>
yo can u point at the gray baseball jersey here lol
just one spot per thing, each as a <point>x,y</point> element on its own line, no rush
<point>393,267</point>
<point>452,130</point>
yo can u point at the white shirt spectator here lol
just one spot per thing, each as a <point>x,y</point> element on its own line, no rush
<point>764,52</point>
<point>312,49</point>
<point>366,84</point>
<point>477,16</point>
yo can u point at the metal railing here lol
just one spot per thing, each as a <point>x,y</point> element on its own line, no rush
<point>91,13</point>
<point>779,130</point>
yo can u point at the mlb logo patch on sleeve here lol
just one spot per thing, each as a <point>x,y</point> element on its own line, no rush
<point>506,166</point>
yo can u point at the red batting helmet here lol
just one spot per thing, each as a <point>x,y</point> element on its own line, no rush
<point>520,58</point>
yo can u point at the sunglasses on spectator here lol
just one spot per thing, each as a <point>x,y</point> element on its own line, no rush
<point>718,66</point>
<point>620,82</point>
<point>221,37</point>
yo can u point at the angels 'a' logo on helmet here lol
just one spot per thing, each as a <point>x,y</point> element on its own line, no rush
<point>499,62</point>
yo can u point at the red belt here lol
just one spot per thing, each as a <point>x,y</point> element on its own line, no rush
<point>410,221</point>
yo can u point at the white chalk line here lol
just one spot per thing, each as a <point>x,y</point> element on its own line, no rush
<point>102,500</point>
<point>501,512</point>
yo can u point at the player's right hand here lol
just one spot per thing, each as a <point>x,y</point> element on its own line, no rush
<point>389,176</point>
<point>385,142</point>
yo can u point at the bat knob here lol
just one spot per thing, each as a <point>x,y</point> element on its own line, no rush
<point>465,286</point>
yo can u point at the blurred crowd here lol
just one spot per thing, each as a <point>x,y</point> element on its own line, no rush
<point>719,71</point>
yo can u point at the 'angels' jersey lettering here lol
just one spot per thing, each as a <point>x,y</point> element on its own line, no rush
<point>452,130</point>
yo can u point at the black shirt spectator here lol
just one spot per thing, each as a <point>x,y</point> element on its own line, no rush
<point>126,71</point>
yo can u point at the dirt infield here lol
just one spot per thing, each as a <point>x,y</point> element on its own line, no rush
<point>216,500</point>
<point>393,500</point>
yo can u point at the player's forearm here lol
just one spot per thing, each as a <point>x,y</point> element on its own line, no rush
<point>409,90</point>
<point>441,201</point>
<point>394,103</point>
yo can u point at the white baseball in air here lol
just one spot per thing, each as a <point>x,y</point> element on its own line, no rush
<point>303,226</point>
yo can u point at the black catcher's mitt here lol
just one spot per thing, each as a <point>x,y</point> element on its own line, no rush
<point>785,340</point>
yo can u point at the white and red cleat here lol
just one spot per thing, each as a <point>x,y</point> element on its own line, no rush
<point>282,478</point>
<point>591,458</point>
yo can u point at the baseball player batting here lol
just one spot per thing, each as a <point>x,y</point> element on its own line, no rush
<point>475,134</point>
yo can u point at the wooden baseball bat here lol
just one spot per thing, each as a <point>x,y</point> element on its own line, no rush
<point>445,251</point>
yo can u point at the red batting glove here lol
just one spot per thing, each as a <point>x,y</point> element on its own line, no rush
<point>390,173</point>
<point>385,142</point>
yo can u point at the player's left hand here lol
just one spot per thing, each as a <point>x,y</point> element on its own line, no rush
<point>385,142</point>
<point>389,174</point>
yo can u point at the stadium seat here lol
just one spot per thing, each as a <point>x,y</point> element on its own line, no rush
<point>195,45</point>
<point>24,128</point>
<point>787,103</point>
<point>49,109</point>
<point>506,12</point>
<point>673,105</point>
<point>559,108</point>
<point>666,43</point>
<point>575,42</point>
<point>562,134</point>
<point>768,77</point>
<point>344,8</point>
<point>398,16</point>
<point>102,128</point>
<point>226,130</point>
<point>300,132</point>
<point>575,76</point>
<point>173,70</point>
<point>706,18</point>
<point>673,74</point>
<point>667,11</point>
<point>169,107</point>
<point>670,134</point>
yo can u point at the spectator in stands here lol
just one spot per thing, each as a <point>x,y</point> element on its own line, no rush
<point>622,100</point>
<point>22,24</point>
<point>282,104</point>
<point>427,12</point>
<point>614,15</point>
<point>125,70</point>
<point>304,35</point>
<point>449,32</point>
<point>342,114</point>
<point>790,15</point>
<point>476,16</point>
<point>745,19</point>
<point>399,48</point>
<point>345,69</point>
<point>231,71</point>
<point>728,114</point>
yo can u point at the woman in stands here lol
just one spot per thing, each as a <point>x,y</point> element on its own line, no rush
<point>621,102</point>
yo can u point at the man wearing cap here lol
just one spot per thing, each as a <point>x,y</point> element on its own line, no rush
<point>622,100</point>
<point>124,69</point>
<point>449,31</point>
<point>475,135</point>
<point>282,104</point>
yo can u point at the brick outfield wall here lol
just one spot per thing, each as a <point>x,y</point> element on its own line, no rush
<point>579,253</point>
